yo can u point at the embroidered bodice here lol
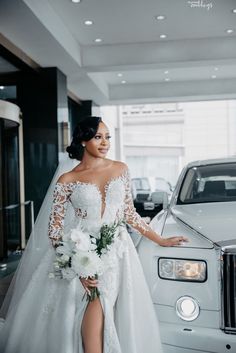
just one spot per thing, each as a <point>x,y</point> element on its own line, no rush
<point>93,207</point>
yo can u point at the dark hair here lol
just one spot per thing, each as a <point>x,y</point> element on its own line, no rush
<point>84,131</point>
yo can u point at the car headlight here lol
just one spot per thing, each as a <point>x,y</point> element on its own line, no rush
<point>187,308</point>
<point>182,269</point>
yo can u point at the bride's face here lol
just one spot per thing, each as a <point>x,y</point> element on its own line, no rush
<point>99,145</point>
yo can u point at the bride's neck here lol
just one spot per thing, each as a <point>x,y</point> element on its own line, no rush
<point>90,162</point>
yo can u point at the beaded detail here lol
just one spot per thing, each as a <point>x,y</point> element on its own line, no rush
<point>93,207</point>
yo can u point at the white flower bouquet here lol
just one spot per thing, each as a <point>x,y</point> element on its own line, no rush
<point>80,254</point>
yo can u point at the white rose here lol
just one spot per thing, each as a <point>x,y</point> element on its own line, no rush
<point>87,263</point>
<point>65,249</point>
<point>82,239</point>
<point>63,260</point>
<point>68,273</point>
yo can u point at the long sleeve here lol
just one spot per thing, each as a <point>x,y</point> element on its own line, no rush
<point>131,216</point>
<point>61,196</point>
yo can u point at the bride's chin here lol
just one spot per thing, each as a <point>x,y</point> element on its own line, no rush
<point>103,156</point>
<point>100,156</point>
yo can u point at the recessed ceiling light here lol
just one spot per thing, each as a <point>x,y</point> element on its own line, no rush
<point>119,75</point>
<point>76,1</point>
<point>166,72</point>
<point>163,36</point>
<point>167,79</point>
<point>216,68</point>
<point>213,76</point>
<point>98,40</point>
<point>229,31</point>
<point>234,10</point>
<point>88,22</point>
<point>123,82</point>
<point>160,17</point>
<point>1,87</point>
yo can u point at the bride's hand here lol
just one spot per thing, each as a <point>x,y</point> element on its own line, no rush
<point>172,241</point>
<point>88,283</point>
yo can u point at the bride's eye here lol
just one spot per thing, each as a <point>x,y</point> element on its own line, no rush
<point>97,137</point>
<point>108,137</point>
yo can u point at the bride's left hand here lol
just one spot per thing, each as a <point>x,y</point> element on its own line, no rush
<point>172,241</point>
<point>88,283</point>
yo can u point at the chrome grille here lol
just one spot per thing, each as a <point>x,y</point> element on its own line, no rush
<point>229,290</point>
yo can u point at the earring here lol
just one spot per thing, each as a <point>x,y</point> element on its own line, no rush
<point>83,145</point>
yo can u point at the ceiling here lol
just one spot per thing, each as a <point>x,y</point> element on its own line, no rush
<point>132,64</point>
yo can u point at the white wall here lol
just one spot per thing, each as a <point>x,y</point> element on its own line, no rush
<point>153,140</point>
<point>161,139</point>
<point>207,130</point>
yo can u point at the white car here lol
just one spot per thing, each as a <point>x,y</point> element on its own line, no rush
<point>193,286</point>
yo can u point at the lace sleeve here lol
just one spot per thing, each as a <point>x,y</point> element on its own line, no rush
<point>61,196</point>
<point>131,216</point>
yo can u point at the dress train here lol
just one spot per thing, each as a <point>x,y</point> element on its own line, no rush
<point>49,316</point>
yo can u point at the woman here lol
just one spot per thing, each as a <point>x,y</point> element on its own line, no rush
<point>51,315</point>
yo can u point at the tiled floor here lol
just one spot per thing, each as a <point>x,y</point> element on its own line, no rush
<point>4,284</point>
<point>7,270</point>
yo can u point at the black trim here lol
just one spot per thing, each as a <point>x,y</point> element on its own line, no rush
<point>14,60</point>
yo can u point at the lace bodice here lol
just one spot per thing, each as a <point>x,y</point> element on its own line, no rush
<point>93,207</point>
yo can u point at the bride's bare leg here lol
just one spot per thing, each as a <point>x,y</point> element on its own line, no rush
<point>92,327</point>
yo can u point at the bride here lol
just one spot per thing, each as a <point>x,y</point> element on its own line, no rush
<point>47,314</point>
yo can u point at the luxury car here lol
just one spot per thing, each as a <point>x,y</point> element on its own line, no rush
<point>193,286</point>
<point>141,188</point>
<point>142,197</point>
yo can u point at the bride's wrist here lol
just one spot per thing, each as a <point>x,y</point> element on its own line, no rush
<point>161,241</point>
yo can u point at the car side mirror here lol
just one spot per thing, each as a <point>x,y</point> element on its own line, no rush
<point>161,198</point>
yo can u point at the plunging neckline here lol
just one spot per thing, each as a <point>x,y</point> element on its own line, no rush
<point>102,194</point>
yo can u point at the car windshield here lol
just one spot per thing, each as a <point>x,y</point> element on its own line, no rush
<point>209,183</point>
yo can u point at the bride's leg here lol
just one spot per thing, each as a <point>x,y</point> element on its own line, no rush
<point>92,327</point>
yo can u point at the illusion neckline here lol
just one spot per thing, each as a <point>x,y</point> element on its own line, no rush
<point>106,185</point>
<point>102,194</point>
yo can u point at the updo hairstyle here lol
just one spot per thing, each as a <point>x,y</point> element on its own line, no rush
<point>84,131</point>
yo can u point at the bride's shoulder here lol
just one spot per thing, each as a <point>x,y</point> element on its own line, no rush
<point>67,178</point>
<point>121,167</point>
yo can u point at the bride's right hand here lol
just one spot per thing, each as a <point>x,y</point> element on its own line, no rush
<point>88,283</point>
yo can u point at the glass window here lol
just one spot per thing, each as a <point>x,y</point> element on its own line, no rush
<point>210,183</point>
<point>8,93</point>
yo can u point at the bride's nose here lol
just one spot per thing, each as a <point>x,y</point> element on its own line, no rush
<point>104,141</point>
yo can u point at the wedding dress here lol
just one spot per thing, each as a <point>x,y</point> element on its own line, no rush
<point>48,315</point>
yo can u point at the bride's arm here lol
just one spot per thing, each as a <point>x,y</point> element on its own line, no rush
<point>136,221</point>
<point>61,195</point>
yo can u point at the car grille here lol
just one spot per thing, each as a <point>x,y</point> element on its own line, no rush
<point>142,197</point>
<point>229,290</point>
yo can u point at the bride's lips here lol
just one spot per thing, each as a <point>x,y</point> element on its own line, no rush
<point>103,150</point>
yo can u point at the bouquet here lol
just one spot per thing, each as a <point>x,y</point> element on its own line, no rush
<point>80,254</point>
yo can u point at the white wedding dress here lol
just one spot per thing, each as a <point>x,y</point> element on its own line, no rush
<point>48,316</point>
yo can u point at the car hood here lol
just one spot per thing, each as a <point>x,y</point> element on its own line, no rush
<point>216,221</point>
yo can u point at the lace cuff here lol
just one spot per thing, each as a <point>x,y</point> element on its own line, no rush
<point>61,196</point>
<point>131,216</point>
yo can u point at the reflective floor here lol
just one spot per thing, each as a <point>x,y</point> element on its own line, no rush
<point>7,269</point>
